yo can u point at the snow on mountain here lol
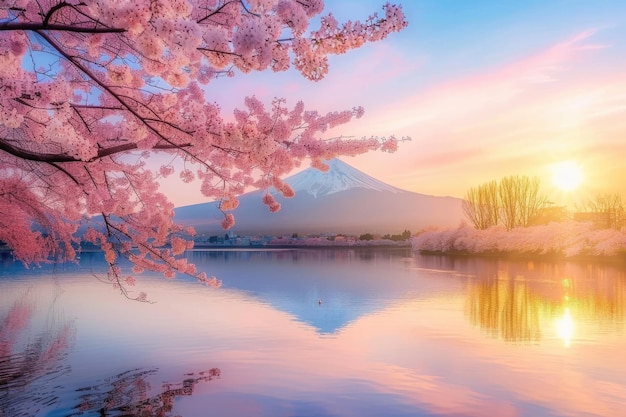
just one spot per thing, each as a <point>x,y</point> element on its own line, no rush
<point>340,177</point>
<point>342,200</point>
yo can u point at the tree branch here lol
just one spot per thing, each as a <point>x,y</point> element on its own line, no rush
<point>52,158</point>
<point>36,27</point>
<point>109,90</point>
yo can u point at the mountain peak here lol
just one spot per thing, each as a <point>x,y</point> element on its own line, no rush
<point>320,206</point>
<point>340,177</point>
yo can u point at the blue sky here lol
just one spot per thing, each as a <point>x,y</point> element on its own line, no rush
<point>485,89</point>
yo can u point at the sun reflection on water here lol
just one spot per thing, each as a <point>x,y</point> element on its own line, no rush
<point>514,303</point>
<point>565,327</point>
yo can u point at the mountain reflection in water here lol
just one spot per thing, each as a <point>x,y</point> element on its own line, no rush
<point>396,334</point>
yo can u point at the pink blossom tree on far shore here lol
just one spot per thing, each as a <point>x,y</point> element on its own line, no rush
<point>90,89</point>
<point>568,239</point>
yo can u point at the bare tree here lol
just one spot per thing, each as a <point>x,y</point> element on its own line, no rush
<point>480,205</point>
<point>531,200</point>
<point>509,200</point>
<point>605,210</point>
<point>520,200</point>
<point>514,201</point>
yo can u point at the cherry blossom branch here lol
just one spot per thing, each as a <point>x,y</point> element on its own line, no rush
<point>142,297</point>
<point>125,79</point>
<point>38,27</point>
<point>165,257</point>
<point>118,98</point>
<point>63,170</point>
<point>60,158</point>
<point>216,11</point>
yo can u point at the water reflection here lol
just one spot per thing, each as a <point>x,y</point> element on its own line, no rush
<point>349,282</point>
<point>521,301</point>
<point>565,327</point>
<point>130,395</point>
<point>32,356</point>
<point>299,255</point>
<point>397,334</point>
<point>504,308</point>
<point>39,369</point>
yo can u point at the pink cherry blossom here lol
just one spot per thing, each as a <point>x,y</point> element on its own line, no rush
<point>228,222</point>
<point>567,239</point>
<point>92,88</point>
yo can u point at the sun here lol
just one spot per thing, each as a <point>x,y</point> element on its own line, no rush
<point>567,175</point>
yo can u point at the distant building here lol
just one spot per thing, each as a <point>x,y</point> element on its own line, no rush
<point>550,214</point>
<point>243,241</point>
<point>600,219</point>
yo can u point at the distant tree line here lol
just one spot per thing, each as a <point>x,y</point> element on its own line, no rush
<point>396,238</point>
<point>402,236</point>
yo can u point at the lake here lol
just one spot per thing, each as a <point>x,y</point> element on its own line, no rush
<point>342,332</point>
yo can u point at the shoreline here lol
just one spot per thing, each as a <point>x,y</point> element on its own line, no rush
<point>519,256</point>
<point>552,257</point>
<point>295,246</point>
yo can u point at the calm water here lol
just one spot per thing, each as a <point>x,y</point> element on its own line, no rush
<point>396,334</point>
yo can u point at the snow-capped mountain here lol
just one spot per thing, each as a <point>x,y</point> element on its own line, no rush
<point>342,200</point>
<point>340,177</point>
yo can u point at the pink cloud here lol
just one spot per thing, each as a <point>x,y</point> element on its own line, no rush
<point>507,120</point>
<point>465,97</point>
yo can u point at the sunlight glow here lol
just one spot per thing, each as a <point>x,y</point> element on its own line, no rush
<point>565,327</point>
<point>567,175</point>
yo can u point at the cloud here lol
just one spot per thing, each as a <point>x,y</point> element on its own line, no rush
<point>464,98</point>
<point>508,119</point>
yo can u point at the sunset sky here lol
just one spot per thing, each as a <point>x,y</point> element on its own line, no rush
<point>485,89</point>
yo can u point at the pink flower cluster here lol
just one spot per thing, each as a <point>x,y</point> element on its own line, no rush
<point>108,83</point>
<point>569,239</point>
<point>271,203</point>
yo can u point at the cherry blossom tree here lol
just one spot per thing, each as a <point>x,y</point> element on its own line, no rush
<point>568,239</point>
<point>91,89</point>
